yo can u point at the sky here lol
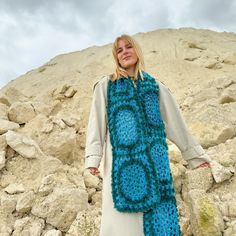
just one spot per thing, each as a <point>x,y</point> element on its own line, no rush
<point>32,31</point>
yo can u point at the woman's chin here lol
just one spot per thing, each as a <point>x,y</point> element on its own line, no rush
<point>128,65</point>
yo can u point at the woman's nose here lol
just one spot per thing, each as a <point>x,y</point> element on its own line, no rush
<point>125,51</point>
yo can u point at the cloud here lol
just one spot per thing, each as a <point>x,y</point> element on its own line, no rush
<point>212,14</point>
<point>31,34</point>
<point>130,17</point>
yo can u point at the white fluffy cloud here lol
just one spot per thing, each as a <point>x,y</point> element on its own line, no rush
<point>32,32</point>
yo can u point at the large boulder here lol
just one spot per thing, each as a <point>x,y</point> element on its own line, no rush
<point>6,125</point>
<point>61,206</point>
<point>205,217</point>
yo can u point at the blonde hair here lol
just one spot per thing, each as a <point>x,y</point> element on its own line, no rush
<point>119,71</point>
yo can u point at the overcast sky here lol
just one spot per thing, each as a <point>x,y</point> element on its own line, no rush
<point>34,31</point>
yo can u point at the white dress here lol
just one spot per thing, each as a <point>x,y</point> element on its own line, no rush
<point>98,146</point>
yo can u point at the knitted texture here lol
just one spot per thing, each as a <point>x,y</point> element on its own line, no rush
<point>141,176</point>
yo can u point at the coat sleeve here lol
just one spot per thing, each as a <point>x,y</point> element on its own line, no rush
<point>177,131</point>
<point>96,128</point>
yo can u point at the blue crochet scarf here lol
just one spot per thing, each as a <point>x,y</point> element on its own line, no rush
<point>141,176</point>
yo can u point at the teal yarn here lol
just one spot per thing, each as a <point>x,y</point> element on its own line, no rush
<point>141,176</point>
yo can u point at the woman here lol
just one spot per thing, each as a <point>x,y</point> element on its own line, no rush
<point>133,114</point>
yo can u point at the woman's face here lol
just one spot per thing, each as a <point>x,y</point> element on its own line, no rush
<point>126,54</point>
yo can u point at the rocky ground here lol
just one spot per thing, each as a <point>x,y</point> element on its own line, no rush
<point>44,189</point>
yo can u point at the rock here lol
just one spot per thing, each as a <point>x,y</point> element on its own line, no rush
<point>12,95</point>
<point>21,112</point>
<point>70,120</point>
<point>47,128</point>
<point>226,197</point>
<point>36,228</point>
<point>228,95</point>
<point>28,226</point>
<point>224,153</point>
<point>178,172</point>
<point>97,199</point>
<point>205,94</point>
<point>3,143</point>
<point>2,159</point>
<point>61,206</point>
<point>222,82</point>
<point>10,153</point>
<point>175,154</point>
<point>25,202</point>
<point>61,89</point>
<point>205,218</point>
<point>60,144</point>
<point>64,91</point>
<point>230,59</point>
<point>184,226</point>
<point>58,121</point>
<point>23,145</point>
<point>6,125</point>
<point>53,232</point>
<point>41,108</point>
<point>216,197</point>
<point>38,126</point>
<point>84,224</point>
<point>192,56</point>
<point>212,134</point>
<point>199,178</point>
<point>19,225</point>
<point>57,140</point>
<point>8,204</point>
<point>14,188</point>
<point>224,209</point>
<point>232,209</point>
<point>70,92</point>
<point>220,173</point>
<point>91,192</point>
<point>182,206</point>
<point>31,171</point>
<point>212,64</point>
<point>46,185</point>
<point>5,230</point>
<point>195,45</point>
<point>7,178</point>
<point>3,111</point>
<point>228,206</point>
<point>231,230</point>
<point>6,217</point>
<point>226,219</point>
<point>75,177</point>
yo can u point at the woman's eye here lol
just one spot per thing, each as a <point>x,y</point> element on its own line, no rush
<point>120,50</point>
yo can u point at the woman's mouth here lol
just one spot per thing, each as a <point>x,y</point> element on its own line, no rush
<point>125,58</point>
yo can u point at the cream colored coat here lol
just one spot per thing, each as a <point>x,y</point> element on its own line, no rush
<point>98,147</point>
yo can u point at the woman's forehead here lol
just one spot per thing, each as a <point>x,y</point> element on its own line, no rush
<point>122,42</point>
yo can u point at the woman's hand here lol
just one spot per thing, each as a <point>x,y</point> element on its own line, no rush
<point>94,171</point>
<point>205,164</point>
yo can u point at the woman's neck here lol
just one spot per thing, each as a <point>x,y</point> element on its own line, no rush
<point>130,72</point>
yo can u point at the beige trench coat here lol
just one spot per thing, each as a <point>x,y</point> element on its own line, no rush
<point>98,147</point>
